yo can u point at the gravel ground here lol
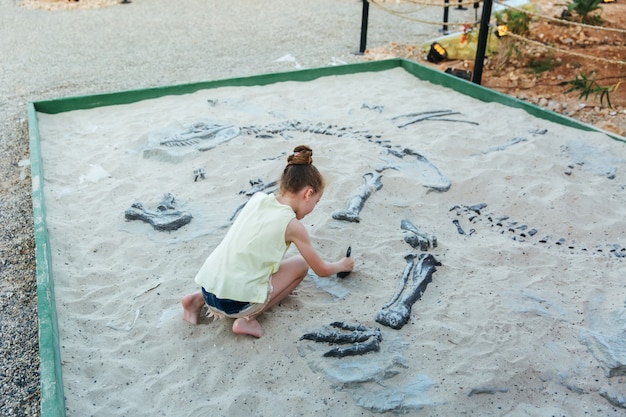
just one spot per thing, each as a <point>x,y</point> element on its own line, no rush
<point>58,53</point>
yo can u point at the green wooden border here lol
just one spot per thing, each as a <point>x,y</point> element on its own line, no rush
<point>52,396</point>
<point>125,97</point>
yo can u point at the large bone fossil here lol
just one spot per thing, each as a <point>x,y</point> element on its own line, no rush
<point>418,238</point>
<point>165,218</point>
<point>360,339</point>
<point>372,183</point>
<point>415,278</point>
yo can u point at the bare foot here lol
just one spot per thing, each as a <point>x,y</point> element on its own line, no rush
<point>192,307</point>
<point>248,326</point>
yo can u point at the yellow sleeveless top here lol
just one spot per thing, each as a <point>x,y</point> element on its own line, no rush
<point>240,267</point>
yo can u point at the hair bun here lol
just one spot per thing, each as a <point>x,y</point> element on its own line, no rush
<point>302,155</point>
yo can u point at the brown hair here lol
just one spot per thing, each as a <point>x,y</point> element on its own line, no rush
<point>300,172</point>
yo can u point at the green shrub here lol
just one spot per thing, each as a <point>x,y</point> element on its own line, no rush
<point>517,22</point>
<point>587,84</point>
<point>584,9</point>
<point>539,65</point>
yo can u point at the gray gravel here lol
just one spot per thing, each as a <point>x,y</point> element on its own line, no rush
<point>147,43</point>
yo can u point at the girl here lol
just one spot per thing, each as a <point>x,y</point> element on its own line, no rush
<point>246,274</point>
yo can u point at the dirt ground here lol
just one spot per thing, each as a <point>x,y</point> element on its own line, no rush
<point>541,75</point>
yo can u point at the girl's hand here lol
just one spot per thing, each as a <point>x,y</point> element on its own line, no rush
<point>347,264</point>
<point>298,235</point>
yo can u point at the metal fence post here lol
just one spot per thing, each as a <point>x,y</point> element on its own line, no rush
<point>364,19</point>
<point>445,17</point>
<point>483,35</point>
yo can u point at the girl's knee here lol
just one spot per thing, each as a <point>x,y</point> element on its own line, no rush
<point>303,267</point>
<point>297,262</point>
<point>294,268</point>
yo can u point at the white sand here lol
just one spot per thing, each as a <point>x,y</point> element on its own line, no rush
<point>501,315</point>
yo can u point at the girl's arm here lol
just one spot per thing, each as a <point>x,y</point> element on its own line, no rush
<point>298,235</point>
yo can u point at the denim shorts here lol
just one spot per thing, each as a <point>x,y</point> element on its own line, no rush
<point>224,305</point>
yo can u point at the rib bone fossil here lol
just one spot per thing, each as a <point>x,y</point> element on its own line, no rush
<point>205,135</point>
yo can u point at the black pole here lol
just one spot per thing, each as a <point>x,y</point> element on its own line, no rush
<point>483,34</point>
<point>445,17</point>
<point>364,19</point>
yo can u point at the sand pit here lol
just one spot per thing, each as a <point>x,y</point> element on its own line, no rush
<point>525,316</point>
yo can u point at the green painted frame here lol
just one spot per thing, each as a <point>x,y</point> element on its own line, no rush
<point>52,395</point>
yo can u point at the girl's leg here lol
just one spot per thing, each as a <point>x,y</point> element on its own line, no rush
<point>289,275</point>
<point>192,307</point>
